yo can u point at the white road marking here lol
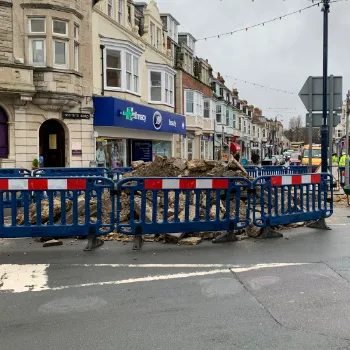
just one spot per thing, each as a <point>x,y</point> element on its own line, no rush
<point>252,267</point>
<point>147,279</point>
<point>25,278</point>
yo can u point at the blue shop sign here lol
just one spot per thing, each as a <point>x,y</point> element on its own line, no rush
<point>111,111</point>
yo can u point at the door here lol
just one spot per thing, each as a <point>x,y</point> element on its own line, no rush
<point>52,144</point>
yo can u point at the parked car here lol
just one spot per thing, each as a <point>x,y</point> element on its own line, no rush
<point>295,158</point>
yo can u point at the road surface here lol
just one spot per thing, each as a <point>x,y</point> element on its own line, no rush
<point>289,293</point>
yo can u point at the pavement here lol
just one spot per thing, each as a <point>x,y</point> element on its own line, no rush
<point>287,293</point>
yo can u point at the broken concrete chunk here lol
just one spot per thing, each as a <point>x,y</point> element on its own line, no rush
<point>52,243</point>
<point>190,241</point>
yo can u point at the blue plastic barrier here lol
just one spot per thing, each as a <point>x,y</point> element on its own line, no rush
<point>14,173</point>
<point>190,205</point>
<point>117,173</point>
<point>82,221</point>
<point>282,200</point>
<point>297,169</point>
<point>272,170</point>
<point>54,172</point>
<point>253,171</point>
<point>71,172</point>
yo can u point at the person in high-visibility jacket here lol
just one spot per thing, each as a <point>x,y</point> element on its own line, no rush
<point>334,158</point>
<point>343,159</point>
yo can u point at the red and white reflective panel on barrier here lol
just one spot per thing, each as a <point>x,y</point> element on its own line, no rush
<point>185,184</point>
<point>295,179</point>
<point>40,184</point>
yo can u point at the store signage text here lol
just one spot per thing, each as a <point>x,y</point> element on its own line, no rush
<point>75,115</point>
<point>129,114</point>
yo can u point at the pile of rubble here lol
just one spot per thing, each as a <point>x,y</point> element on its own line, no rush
<point>177,167</point>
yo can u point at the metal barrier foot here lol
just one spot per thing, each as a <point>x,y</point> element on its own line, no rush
<point>228,236</point>
<point>267,232</point>
<point>138,242</point>
<point>320,224</point>
<point>93,243</point>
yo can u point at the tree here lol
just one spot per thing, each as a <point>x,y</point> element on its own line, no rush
<point>294,133</point>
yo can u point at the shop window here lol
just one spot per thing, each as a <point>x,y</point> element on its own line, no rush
<point>161,84</point>
<point>111,153</point>
<point>162,148</point>
<point>4,151</point>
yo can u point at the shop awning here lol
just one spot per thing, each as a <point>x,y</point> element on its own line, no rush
<point>235,147</point>
<point>111,111</point>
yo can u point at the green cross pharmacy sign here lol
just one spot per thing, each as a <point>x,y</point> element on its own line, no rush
<point>130,114</point>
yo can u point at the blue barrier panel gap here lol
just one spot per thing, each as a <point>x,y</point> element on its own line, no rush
<point>176,205</point>
<point>56,215</point>
<point>13,172</point>
<point>286,199</point>
<point>117,173</point>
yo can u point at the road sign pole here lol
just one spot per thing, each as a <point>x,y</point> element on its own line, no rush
<point>330,124</point>
<point>324,129</point>
<point>310,125</point>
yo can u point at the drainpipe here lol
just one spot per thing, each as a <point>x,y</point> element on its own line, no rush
<point>102,47</point>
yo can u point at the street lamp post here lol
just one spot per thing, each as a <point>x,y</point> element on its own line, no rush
<point>324,129</point>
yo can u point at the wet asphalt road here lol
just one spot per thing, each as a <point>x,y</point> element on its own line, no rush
<point>289,293</point>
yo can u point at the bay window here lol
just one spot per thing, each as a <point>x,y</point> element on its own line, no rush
<point>156,86</point>
<point>121,66</point>
<point>228,117</point>
<point>60,46</point>
<point>161,84</point>
<point>37,49</point>
<point>62,40</point>
<point>194,103</point>
<point>113,69</point>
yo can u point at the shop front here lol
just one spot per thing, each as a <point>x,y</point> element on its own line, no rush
<point>127,132</point>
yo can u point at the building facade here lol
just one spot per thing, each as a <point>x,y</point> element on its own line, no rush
<point>45,83</point>
<point>133,85</point>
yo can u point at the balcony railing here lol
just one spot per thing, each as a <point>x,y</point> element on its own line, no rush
<point>193,121</point>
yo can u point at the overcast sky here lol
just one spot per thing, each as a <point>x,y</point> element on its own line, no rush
<point>281,54</point>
